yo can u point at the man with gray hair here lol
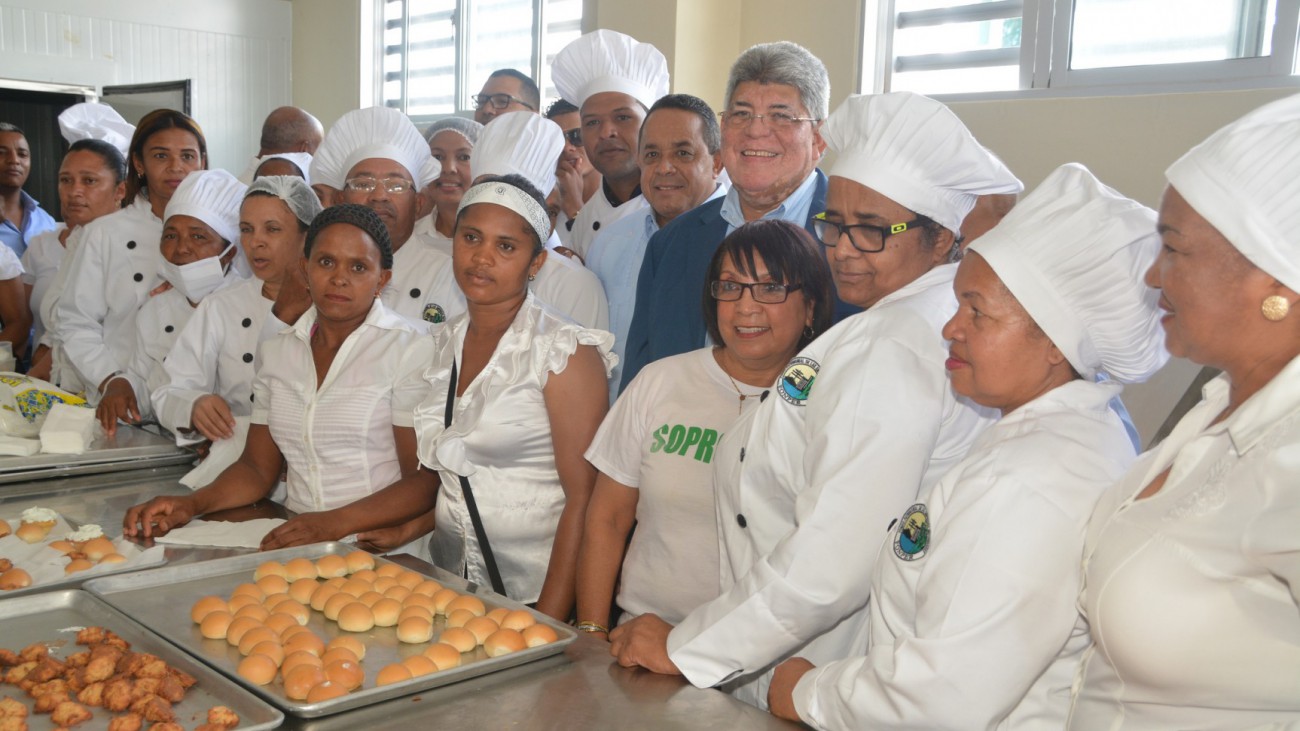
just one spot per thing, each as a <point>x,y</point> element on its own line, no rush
<point>777,97</point>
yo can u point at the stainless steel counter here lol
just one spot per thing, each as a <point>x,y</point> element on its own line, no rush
<point>131,448</point>
<point>580,689</point>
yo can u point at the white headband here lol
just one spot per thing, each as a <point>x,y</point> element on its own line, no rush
<point>508,196</point>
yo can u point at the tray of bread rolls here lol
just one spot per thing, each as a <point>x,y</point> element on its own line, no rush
<point>327,628</point>
<point>68,659</point>
<point>41,550</point>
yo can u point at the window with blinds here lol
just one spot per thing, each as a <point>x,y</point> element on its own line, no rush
<point>940,47</point>
<point>436,54</point>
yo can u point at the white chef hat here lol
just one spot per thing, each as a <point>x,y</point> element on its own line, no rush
<point>606,60</point>
<point>374,132</point>
<point>302,160</point>
<point>1245,180</point>
<point>213,197</point>
<point>92,121</point>
<point>523,143</point>
<point>916,152</point>
<point>1074,252</point>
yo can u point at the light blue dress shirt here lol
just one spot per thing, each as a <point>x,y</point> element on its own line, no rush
<point>793,209</point>
<point>35,221</point>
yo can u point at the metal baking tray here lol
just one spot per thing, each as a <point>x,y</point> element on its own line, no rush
<point>73,581</point>
<point>130,448</point>
<point>161,598</point>
<point>55,618</point>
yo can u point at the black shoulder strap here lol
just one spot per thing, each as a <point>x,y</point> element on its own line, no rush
<point>494,574</point>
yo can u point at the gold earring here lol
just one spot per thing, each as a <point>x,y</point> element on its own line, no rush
<point>1275,308</point>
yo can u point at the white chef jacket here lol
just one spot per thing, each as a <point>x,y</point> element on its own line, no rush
<point>215,353</point>
<point>62,373</point>
<point>1192,594</point>
<point>597,213</point>
<point>157,326</point>
<point>111,274</point>
<point>500,438</point>
<point>337,440</point>
<point>40,265</point>
<point>572,290</point>
<point>862,421</point>
<point>973,620</point>
<point>423,288</point>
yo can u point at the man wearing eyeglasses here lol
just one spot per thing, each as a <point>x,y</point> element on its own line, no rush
<point>506,90</point>
<point>376,157</point>
<point>777,96</point>
<point>613,79</point>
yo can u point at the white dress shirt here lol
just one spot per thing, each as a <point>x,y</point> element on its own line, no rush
<point>40,265</point>
<point>598,213</point>
<point>1193,594</point>
<point>337,440</point>
<point>973,620</point>
<point>862,421</point>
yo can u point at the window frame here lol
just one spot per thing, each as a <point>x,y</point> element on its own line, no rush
<point>463,86</point>
<point>1046,29</point>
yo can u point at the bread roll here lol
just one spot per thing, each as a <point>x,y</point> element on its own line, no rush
<point>293,659</point>
<point>271,648</point>
<point>326,691</point>
<point>334,654</point>
<point>78,564</point>
<point>398,592</point>
<point>421,612</point>
<point>97,548</point>
<point>357,647</point>
<point>214,624</point>
<point>256,611</point>
<point>498,614</point>
<point>4,528</point>
<point>459,638</point>
<point>443,655</point>
<point>62,546</point>
<point>370,598</point>
<point>205,606</point>
<point>302,590</point>
<point>428,588</point>
<point>112,558</point>
<point>414,630</point>
<point>394,673</point>
<point>256,636</point>
<point>327,567</point>
<point>250,590</point>
<point>33,532</point>
<point>322,595</point>
<point>299,568</point>
<point>481,628</point>
<point>386,612</point>
<point>420,665</point>
<point>442,598</point>
<point>468,602</point>
<point>346,673</point>
<point>279,621</point>
<point>269,568</point>
<point>238,626</point>
<point>304,642</point>
<point>335,604</point>
<point>504,642</point>
<point>299,681</point>
<point>539,634</point>
<point>273,585</point>
<point>459,617</point>
<point>257,669</point>
<point>356,617</point>
<point>359,561</point>
<point>389,569</point>
<point>519,620</point>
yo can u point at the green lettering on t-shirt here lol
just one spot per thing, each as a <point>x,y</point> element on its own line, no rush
<point>679,438</point>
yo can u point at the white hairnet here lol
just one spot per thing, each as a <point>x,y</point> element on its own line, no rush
<point>467,128</point>
<point>294,191</point>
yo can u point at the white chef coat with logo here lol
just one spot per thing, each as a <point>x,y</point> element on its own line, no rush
<point>973,619</point>
<point>861,421</point>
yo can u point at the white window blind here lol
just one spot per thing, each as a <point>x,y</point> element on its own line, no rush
<point>436,54</point>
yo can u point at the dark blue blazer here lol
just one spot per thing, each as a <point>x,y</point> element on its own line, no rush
<point>669,314</point>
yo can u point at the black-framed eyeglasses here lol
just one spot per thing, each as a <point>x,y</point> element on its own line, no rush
<point>498,101</point>
<point>768,293</point>
<point>741,118</point>
<point>865,237</point>
<point>574,136</point>
<point>366,184</point>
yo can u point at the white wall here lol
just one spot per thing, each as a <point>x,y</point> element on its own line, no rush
<point>236,52</point>
<point>327,57</point>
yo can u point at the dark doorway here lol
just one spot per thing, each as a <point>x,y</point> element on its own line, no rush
<point>37,114</point>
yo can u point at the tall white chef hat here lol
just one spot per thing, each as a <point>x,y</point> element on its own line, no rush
<point>1074,252</point>
<point>1245,180</point>
<point>301,160</point>
<point>213,197</point>
<point>524,143</point>
<point>92,121</point>
<point>374,132</point>
<point>606,60</point>
<point>915,151</point>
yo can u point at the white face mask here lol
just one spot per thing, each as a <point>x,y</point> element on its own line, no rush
<point>197,279</point>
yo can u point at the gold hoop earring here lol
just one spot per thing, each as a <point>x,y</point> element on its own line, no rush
<point>1275,308</point>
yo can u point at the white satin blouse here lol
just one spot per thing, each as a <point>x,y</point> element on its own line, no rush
<point>500,438</point>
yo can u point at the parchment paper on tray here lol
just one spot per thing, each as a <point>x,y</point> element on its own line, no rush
<point>221,534</point>
<point>46,565</point>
